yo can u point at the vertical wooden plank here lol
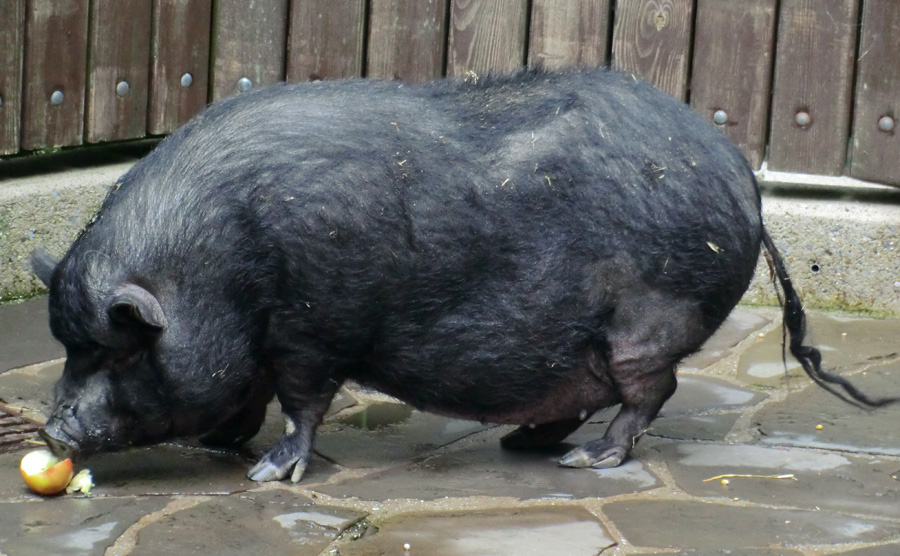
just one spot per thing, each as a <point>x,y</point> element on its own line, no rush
<point>53,65</point>
<point>406,39</point>
<point>733,52</point>
<point>567,33</point>
<point>179,67</point>
<point>652,39</point>
<point>119,70</point>
<point>875,154</point>
<point>486,35</point>
<point>12,37</point>
<point>249,42</point>
<point>811,94</point>
<point>325,39</point>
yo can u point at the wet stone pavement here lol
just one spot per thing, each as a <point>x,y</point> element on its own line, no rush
<point>746,459</point>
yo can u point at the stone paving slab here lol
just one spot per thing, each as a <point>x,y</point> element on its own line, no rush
<point>819,480</point>
<point>25,336</point>
<point>387,433</point>
<point>69,526</point>
<point>478,466</point>
<point>846,344</point>
<point>737,328</point>
<point>733,552</point>
<point>703,408</point>
<point>705,526</point>
<point>885,550</point>
<point>29,390</point>
<point>276,522</point>
<point>797,419</point>
<point>549,530</point>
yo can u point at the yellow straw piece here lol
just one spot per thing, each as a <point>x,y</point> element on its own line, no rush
<point>791,477</point>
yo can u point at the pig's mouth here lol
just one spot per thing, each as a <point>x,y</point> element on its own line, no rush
<point>59,443</point>
<point>66,440</point>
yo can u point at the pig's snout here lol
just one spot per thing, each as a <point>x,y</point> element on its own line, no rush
<point>63,432</point>
<point>59,443</point>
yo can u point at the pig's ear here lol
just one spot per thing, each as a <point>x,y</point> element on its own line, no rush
<point>133,304</point>
<point>43,265</point>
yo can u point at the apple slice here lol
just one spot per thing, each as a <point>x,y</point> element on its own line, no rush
<point>44,473</point>
<point>82,482</point>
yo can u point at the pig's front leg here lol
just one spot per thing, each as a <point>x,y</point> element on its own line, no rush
<point>303,411</point>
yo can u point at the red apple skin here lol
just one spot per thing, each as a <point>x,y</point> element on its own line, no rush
<point>51,480</point>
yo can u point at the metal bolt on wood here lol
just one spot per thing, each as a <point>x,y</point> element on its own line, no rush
<point>244,84</point>
<point>1,102</point>
<point>56,98</point>
<point>720,117</point>
<point>187,80</point>
<point>803,119</point>
<point>886,124</point>
<point>122,88</point>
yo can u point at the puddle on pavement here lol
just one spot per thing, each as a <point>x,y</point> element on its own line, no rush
<point>570,531</point>
<point>846,343</point>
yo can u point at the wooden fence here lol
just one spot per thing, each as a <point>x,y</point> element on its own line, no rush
<point>811,85</point>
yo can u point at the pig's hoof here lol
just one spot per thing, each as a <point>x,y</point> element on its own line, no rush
<point>599,458</point>
<point>266,470</point>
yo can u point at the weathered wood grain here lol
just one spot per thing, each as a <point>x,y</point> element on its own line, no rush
<point>249,41</point>
<point>569,33</point>
<point>652,39</point>
<point>51,65</point>
<point>407,39</point>
<point>813,76</point>
<point>180,48</point>
<point>12,37</point>
<point>325,39</point>
<point>875,153</point>
<point>732,66</point>
<point>119,62</point>
<point>487,35</point>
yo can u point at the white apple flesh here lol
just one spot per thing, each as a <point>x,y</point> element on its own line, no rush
<point>44,473</point>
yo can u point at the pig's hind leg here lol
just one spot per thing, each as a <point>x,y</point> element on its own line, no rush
<point>649,334</point>
<point>641,401</point>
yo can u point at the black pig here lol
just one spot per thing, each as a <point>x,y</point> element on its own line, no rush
<point>521,249</point>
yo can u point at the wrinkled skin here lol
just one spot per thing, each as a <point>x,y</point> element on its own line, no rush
<point>525,249</point>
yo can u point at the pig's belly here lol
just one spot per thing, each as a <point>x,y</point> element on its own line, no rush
<point>575,398</point>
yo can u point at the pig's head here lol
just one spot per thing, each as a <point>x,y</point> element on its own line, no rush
<point>136,371</point>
